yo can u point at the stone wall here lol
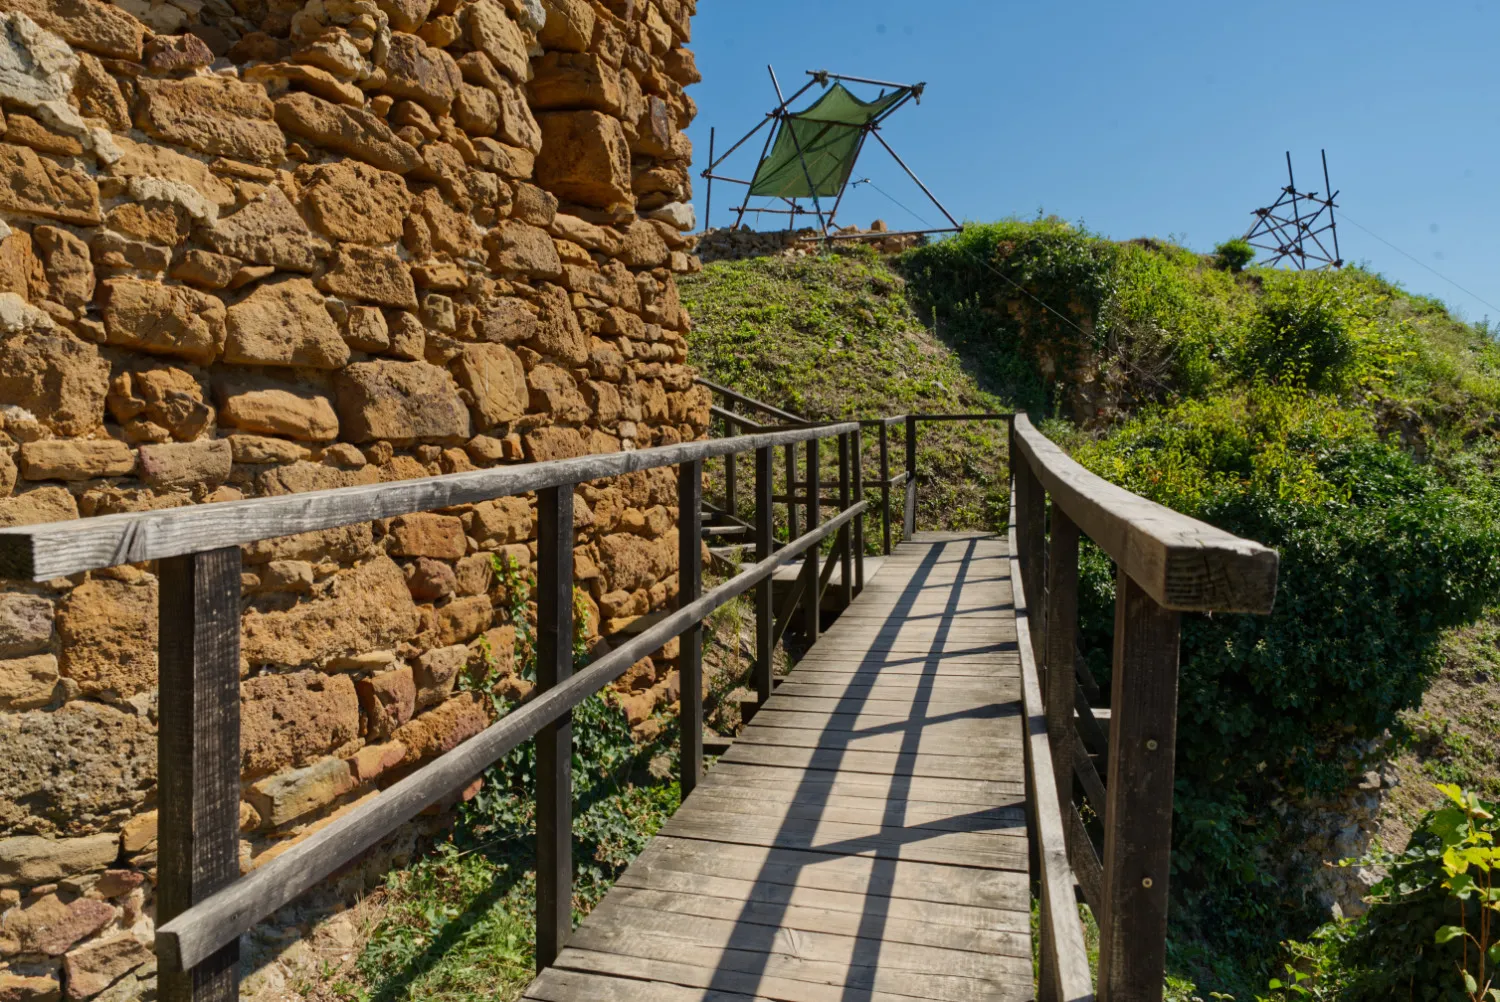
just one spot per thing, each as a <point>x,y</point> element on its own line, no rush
<point>737,244</point>
<point>253,247</point>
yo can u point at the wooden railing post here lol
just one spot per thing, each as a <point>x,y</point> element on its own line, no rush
<point>198,753</point>
<point>1031,539</point>
<point>765,614</point>
<point>791,492</point>
<point>909,522</point>
<point>554,743</point>
<point>689,587</point>
<point>1138,815</point>
<point>1062,623</point>
<point>810,595</point>
<point>885,488</point>
<point>731,480</point>
<point>858,473</point>
<point>846,534</point>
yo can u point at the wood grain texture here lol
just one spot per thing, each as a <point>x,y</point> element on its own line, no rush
<point>554,742</point>
<point>690,661</point>
<point>1181,562</point>
<point>864,836</point>
<point>57,549</point>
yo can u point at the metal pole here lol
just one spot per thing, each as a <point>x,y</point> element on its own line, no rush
<point>913,176</point>
<point>1296,212</point>
<point>1332,223</point>
<point>708,205</point>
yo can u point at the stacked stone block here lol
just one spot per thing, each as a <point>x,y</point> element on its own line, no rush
<point>259,247</point>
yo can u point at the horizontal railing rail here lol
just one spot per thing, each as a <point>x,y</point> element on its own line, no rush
<point>203,903</point>
<point>1166,563</point>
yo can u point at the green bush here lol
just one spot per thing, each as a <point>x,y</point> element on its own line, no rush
<point>1378,554</point>
<point>1301,333</point>
<point>1234,255</point>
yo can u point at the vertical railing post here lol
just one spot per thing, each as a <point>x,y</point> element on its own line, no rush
<point>812,609</point>
<point>1031,539</point>
<point>858,473</point>
<point>554,743</point>
<point>909,522</point>
<point>765,615</point>
<point>1138,815</point>
<point>689,587</point>
<point>846,534</point>
<point>198,753</point>
<point>731,479</point>
<point>1062,623</point>
<point>791,492</point>
<point>885,488</point>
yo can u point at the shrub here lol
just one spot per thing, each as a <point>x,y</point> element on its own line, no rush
<point>1234,255</point>
<point>1301,333</point>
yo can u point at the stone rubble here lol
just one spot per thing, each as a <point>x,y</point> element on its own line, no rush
<point>261,247</point>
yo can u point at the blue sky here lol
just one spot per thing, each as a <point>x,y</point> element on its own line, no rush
<point>1161,119</point>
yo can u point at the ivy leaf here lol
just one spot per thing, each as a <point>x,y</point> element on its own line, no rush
<point>1447,933</point>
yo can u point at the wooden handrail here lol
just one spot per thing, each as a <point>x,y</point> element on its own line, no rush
<point>1182,563</point>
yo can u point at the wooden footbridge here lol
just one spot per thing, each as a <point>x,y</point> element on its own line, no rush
<point>897,819</point>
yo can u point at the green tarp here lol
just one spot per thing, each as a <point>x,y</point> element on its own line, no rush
<point>828,135</point>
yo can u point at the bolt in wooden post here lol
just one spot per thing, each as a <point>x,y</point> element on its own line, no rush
<point>689,586</point>
<point>811,596</point>
<point>1062,624</point>
<point>909,522</point>
<point>198,753</point>
<point>858,474</point>
<point>885,488</point>
<point>845,541</point>
<point>765,614</point>
<point>1138,815</point>
<point>554,743</point>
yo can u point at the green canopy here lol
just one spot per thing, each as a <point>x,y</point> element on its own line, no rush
<point>827,136</point>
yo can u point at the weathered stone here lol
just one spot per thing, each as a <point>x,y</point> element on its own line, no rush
<point>299,478</point>
<point>406,15</point>
<point>371,761</point>
<point>357,132</point>
<point>569,27</point>
<point>107,630</point>
<point>630,562</point>
<point>534,206</point>
<point>186,464</point>
<point>366,329</point>
<point>287,575</point>
<point>585,234</point>
<point>20,272</point>
<point>258,449</point>
<point>284,323</point>
<point>289,720</point>
<point>644,246</point>
<point>157,173</point>
<point>425,534</point>
<point>289,796</point>
<point>98,95</point>
<point>476,109</point>
<point>420,72</point>
<point>443,728</point>
<point>268,231</point>
<point>518,126</point>
<point>67,265</point>
<point>517,247</point>
<point>205,269</point>
<point>111,250</point>
<point>365,609</point>
<point>371,275</point>
<point>28,988</point>
<point>28,860</point>
<point>388,699</point>
<point>571,81</point>
<point>353,201</point>
<point>436,673</point>
<point>501,521</point>
<point>295,412</point>
<point>492,32</point>
<point>63,459</point>
<point>168,54</point>
<point>507,321</point>
<point>474,574</point>
<point>213,114</point>
<point>559,334</point>
<point>93,967</point>
<point>276,76</point>
<point>163,319</point>
<point>584,158</point>
<point>158,404</point>
<point>87,24</point>
<point>463,618</point>
<point>555,393</point>
<point>44,504</point>
<point>335,51</point>
<point>49,926</point>
<point>400,402</point>
<point>25,624</point>
<point>495,381</point>
<point>34,186</point>
<point>428,579</point>
<point>27,683</point>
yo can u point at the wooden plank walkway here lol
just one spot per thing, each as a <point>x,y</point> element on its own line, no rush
<point>865,839</point>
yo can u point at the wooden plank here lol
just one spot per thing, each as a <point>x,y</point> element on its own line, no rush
<point>981,851</point>
<point>917,742</point>
<point>554,742</point>
<point>566,986</point>
<point>890,724</point>
<point>877,814</point>
<point>818,919</point>
<point>58,549</point>
<point>875,763</point>
<point>865,876</point>
<point>1180,562</point>
<point>198,748</point>
<point>1138,818</point>
<point>898,707</point>
<point>1065,974</point>
<point>999,790</point>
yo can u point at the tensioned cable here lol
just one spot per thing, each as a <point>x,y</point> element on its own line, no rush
<point>1347,218</point>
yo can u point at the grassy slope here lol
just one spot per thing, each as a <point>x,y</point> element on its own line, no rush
<point>835,337</point>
